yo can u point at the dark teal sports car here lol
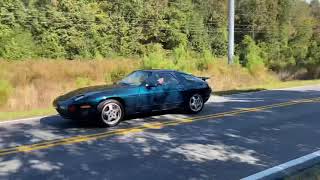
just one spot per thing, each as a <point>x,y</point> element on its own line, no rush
<point>140,92</point>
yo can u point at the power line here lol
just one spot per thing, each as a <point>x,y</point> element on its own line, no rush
<point>186,27</point>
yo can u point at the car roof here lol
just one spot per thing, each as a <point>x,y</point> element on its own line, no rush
<point>158,70</point>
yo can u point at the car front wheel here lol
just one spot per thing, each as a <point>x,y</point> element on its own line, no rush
<point>112,112</point>
<point>195,104</point>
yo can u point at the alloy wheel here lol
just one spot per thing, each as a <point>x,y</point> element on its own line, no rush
<point>111,113</point>
<point>196,103</point>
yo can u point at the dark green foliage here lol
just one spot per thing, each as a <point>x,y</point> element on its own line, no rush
<point>250,55</point>
<point>16,44</point>
<point>313,60</point>
<point>283,29</point>
<point>286,32</point>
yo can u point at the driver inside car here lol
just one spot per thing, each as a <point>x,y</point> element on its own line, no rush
<point>160,81</point>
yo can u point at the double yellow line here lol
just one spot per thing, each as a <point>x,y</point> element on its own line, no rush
<point>156,125</point>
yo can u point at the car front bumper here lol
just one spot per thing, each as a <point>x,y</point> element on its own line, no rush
<point>78,113</point>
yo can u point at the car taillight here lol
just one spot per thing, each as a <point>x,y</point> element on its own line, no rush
<point>72,108</point>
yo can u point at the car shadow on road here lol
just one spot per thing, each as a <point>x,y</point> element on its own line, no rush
<point>223,148</point>
<point>237,91</point>
<point>61,123</point>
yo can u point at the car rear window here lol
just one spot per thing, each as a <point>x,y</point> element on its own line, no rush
<point>189,77</point>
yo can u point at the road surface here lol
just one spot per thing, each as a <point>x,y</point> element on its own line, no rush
<point>234,137</point>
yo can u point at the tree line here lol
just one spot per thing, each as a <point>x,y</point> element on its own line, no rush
<point>278,34</point>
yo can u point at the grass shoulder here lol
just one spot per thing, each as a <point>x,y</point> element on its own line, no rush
<point>270,86</point>
<point>12,115</point>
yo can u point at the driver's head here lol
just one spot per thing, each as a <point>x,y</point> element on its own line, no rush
<point>160,80</point>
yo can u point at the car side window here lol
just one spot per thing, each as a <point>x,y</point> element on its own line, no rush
<point>165,79</point>
<point>189,77</point>
<point>135,78</point>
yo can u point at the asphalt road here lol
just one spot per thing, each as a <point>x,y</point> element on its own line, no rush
<point>235,136</point>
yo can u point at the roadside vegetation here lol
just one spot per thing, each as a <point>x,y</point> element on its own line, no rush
<point>34,84</point>
<point>50,47</point>
<point>31,85</point>
<point>312,172</point>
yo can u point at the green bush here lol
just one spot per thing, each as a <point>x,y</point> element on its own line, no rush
<point>16,44</point>
<point>117,74</point>
<point>51,47</point>
<point>204,61</point>
<point>83,82</point>
<point>182,59</point>
<point>313,60</point>
<point>5,91</point>
<point>250,55</point>
<point>156,58</point>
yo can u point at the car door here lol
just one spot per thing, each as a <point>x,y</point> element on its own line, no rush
<point>150,95</point>
<point>171,91</point>
<point>150,98</point>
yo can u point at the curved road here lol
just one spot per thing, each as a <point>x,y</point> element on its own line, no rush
<point>234,137</point>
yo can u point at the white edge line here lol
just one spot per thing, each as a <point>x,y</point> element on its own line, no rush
<point>282,167</point>
<point>295,87</point>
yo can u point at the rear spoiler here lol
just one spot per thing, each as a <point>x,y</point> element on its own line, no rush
<point>204,78</point>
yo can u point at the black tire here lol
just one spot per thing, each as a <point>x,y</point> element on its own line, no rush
<point>191,108</point>
<point>104,119</point>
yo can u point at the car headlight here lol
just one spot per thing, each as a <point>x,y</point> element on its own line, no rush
<point>79,98</point>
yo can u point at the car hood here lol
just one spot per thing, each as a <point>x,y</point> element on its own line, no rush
<point>91,90</point>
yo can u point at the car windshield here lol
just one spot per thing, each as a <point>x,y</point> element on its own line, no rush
<point>136,78</point>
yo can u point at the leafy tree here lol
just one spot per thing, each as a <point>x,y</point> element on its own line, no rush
<point>16,44</point>
<point>284,34</point>
<point>250,55</point>
<point>312,62</point>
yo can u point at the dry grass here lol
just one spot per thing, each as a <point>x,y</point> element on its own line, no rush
<point>37,82</point>
<point>228,77</point>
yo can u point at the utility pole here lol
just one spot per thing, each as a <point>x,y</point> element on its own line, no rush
<point>231,31</point>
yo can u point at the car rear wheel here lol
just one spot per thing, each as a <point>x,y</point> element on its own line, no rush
<point>195,104</point>
<point>112,112</point>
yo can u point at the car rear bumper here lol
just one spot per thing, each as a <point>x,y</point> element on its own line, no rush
<point>206,98</point>
<point>207,95</point>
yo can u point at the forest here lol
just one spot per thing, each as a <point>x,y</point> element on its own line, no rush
<point>49,47</point>
<point>281,35</point>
